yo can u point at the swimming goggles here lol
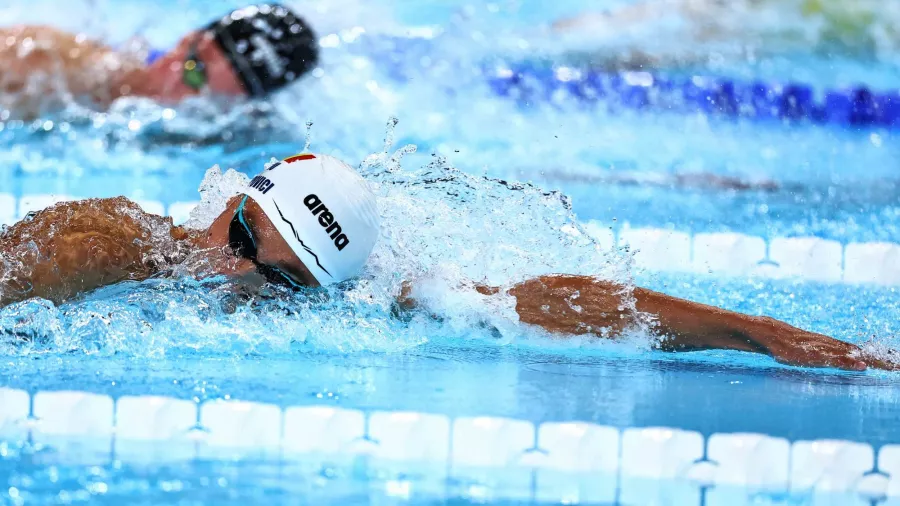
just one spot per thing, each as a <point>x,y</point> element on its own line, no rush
<point>241,240</point>
<point>193,73</point>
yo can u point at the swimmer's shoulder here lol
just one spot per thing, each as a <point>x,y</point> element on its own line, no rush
<point>118,216</point>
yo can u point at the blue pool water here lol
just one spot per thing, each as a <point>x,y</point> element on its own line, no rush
<point>619,171</point>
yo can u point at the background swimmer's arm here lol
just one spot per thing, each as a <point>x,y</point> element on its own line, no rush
<point>584,305</point>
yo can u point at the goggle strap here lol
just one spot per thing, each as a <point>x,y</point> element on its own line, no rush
<point>240,214</point>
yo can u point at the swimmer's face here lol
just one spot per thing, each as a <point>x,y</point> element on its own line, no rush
<point>272,250</point>
<point>167,74</point>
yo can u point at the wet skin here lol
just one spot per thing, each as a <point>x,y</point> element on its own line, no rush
<point>45,69</point>
<point>75,247</point>
<point>163,82</point>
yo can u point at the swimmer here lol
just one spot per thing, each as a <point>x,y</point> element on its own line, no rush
<point>672,33</point>
<point>311,220</point>
<point>252,52</point>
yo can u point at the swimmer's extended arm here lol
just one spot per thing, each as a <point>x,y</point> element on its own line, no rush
<point>581,305</point>
<point>584,305</point>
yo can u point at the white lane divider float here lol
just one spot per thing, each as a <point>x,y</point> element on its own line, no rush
<point>733,254</point>
<point>488,458</point>
<point>155,429</point>
<point>581,463</point>
<point>78,424</point>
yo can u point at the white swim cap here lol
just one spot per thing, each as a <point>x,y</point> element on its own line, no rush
<point>324,210</point>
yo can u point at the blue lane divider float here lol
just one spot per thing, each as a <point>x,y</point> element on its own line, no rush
<point>155,54</point>
<point>532,83</point>
<point>860,106</point>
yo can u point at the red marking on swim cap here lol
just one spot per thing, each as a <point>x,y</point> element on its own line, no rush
<point>297,158</point>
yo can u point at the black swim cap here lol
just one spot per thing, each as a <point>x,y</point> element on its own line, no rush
<point>268,45</point>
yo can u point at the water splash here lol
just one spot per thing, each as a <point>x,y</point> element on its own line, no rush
<point>384,160</point>
<point>441,221</point>
<point>309,125</point>
<point>215,190</point>
<point>442,229</point>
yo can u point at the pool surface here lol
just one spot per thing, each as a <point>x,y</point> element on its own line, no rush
<point>171,391</point>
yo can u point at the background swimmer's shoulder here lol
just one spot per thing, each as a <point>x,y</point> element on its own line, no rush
<point>44,68</point>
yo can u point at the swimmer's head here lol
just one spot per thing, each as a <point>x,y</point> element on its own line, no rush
<point>253,51</point>
<point>323,210</point>
<point>268,46</point>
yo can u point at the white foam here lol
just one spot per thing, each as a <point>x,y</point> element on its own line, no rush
<point>215,191</point>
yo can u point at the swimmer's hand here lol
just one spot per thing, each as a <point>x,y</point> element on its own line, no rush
<point>792,346</point>
<point>689,326</point>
